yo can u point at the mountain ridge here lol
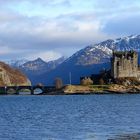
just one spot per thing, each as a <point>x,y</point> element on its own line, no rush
<point>89,60</point>
<point>102,52</point>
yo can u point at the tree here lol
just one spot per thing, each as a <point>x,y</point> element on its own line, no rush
<point>86,81</point>
<point>101,81</point>
<point>58,83</point>
<point>40,85</point>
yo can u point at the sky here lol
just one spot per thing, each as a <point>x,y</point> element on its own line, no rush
<point>53,28</point>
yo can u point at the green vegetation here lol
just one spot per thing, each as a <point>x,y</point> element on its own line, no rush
<point>98,88</point>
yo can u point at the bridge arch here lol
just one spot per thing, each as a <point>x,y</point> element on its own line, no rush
<point>11,90</point>
<point>25,90</point>
<point>38,90</point>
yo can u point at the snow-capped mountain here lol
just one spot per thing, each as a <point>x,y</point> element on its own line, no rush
<point>16,63</point>
<point>101,52</point>
<point>35,65</point>
<point>87,61</point>
<point>39,66</point>
<point>91,59</point>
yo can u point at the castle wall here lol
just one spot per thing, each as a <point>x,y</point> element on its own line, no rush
<point>124,64</point>
<point>138,75</point>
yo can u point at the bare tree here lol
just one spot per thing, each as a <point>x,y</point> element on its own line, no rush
<point>58,83</point>
<point>40,85</point>
<point>101,81</point>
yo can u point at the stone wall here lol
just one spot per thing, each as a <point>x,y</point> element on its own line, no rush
<point>124,64</point>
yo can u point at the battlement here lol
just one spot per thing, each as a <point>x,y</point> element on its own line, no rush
<point>124,64</point>
<point>125,54</point>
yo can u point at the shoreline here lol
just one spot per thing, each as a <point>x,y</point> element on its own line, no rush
<point>58,94</point>
<point>90,90</point>
<point>67,94</point>
<point>101,89</point>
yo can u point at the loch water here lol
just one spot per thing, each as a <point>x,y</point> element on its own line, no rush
<point>75,117</point>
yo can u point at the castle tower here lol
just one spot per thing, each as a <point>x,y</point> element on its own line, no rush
<point>124,64</point>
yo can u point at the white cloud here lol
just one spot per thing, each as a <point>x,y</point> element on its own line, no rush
<point>73,28</point>
<point>4,50</point>
<point>47,55</point>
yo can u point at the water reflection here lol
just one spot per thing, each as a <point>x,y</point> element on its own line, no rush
<point>25,92</point>
<point>11,91</point>
<point>28,92</point>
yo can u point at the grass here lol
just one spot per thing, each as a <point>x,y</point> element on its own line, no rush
<point>86,88</point>
<point>100,87</point>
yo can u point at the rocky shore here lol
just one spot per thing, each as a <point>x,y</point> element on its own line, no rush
<point>93,89</point>
<point>100,89</point>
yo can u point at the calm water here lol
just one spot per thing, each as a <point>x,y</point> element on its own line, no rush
<point>93,117</point>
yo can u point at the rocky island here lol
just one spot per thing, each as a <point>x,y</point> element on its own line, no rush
<point>100,89</point>
<point>123,77</point>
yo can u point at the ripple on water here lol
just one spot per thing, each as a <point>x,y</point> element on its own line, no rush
<point>97,117</point>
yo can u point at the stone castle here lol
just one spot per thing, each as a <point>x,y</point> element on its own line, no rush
<point>125,64</point>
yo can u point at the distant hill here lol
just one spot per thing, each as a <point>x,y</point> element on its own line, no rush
<point>10,76</point>
<point>90,60</point>
<point>16,63</point>
<point>37,66</point>
<point>33,69</point>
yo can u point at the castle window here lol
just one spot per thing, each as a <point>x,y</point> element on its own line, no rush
<point>118,63</point>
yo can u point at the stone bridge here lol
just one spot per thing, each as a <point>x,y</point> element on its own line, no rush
<point>17,89</point>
